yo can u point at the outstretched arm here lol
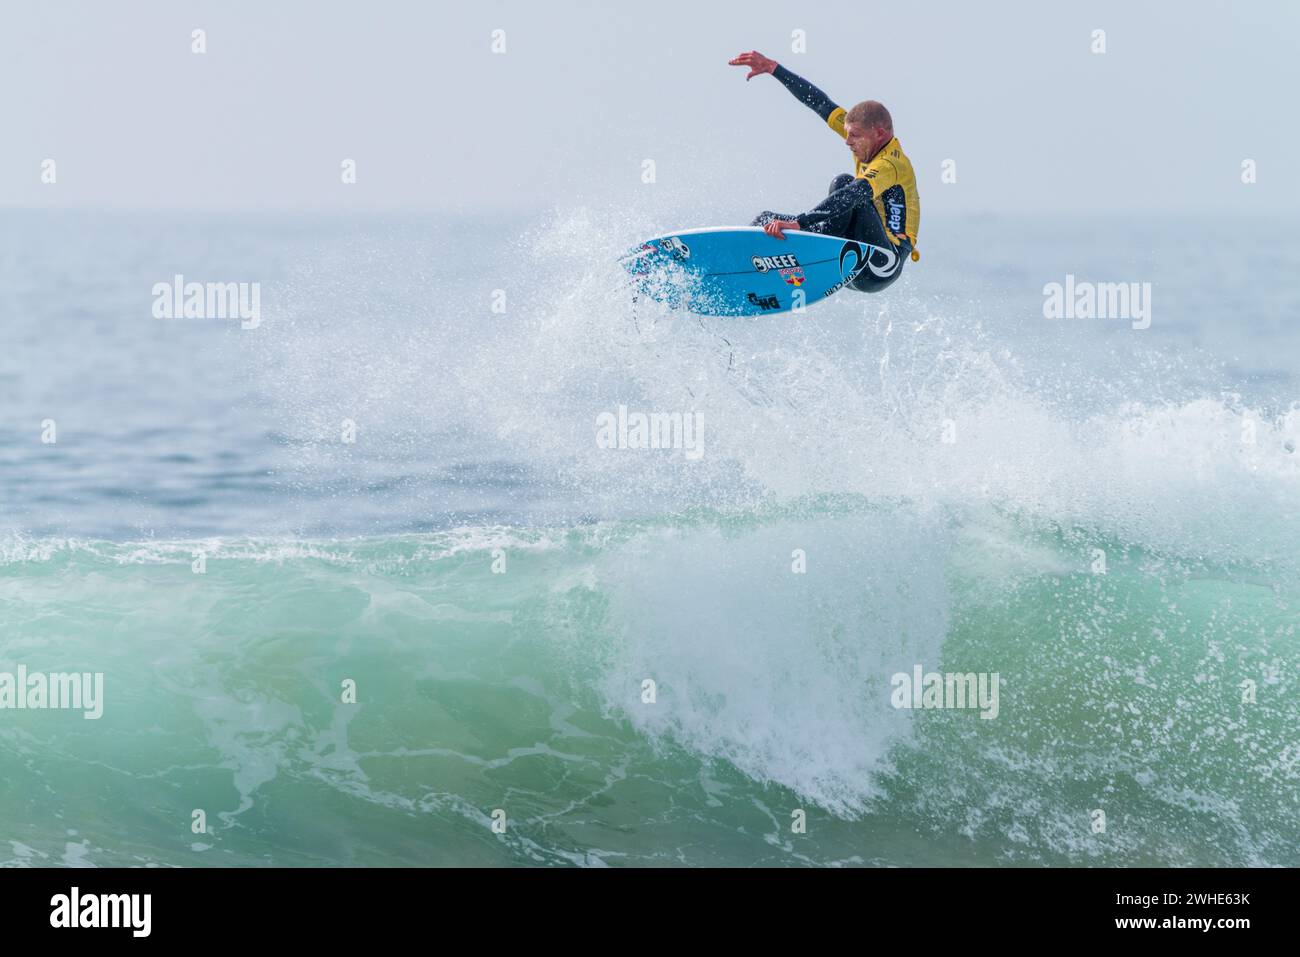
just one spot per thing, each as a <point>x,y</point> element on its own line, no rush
<point>803,91</point>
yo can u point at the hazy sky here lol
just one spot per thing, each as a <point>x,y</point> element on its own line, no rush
<point>586,91</point>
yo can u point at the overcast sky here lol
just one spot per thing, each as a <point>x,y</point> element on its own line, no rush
<point>586,91</point>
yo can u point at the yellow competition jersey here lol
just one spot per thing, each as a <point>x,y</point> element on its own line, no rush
<point>893,185</point>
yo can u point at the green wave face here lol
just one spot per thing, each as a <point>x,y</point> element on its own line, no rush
<point>1147,702</point>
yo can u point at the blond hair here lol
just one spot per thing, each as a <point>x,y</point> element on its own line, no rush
<point>870,113</point>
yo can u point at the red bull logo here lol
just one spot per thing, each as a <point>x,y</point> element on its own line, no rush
<point>793,276</point>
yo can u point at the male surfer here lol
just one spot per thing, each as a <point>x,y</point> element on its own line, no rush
<point>876,204</point>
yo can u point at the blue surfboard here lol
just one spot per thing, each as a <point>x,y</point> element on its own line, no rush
<point>742,271</point>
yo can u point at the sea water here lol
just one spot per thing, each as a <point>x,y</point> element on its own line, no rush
<point>364,587</point>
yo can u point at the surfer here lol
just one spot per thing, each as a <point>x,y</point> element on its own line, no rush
<point>877,204</point>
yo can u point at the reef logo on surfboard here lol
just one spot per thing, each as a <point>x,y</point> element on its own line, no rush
<point>764,263</point>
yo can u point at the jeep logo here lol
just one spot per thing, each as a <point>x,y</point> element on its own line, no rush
<point>764,263</point>
<point>895,216</point>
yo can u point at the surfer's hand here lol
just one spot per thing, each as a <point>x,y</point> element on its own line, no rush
<point>757,63</point>
<point>775,227</point>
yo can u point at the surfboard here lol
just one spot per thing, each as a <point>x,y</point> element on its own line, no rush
<point>742,271</point>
